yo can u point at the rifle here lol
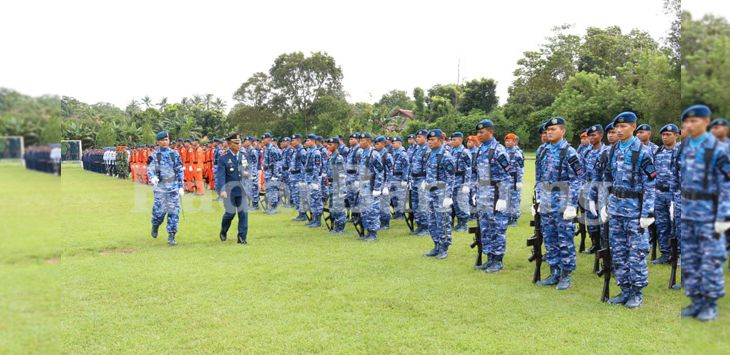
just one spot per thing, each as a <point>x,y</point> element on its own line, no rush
<point>409,216</point>
<point>653,240</point>
<point>477,243</point>
<point>580,219</point>
<point>328,221</point>
<point>535,241</point>
<point>356,218</point>
<point>605,254</point>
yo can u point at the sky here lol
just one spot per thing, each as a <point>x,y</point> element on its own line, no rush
<point>117,51</point>
<point>699,8</point>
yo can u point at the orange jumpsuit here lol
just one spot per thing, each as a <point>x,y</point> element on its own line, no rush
<point>185,155</point>
<point>209,167</point>
<point>143,156</point>
<point>198,163</point>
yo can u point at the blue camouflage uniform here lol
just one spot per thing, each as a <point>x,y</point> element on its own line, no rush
<point>388,162</point>
<point>335,171</point>
<point>705,185</point>
<point>296,181</point>
<point>560,178</point>
<point>462,181</point>
<point>286,155</point>
<point>667,192</point>
<point>473,151</point>
<point>517,172</point>
<point>254,160</point>
<point>492,163</point>
<point>417,168</point>
<point>398,181</point>
<point>352,162</point>
<point>272,175</point>
<point>440,169</point>
<point>631,172</point>
<point>312,179</point>
<point>591,163</point>
<point>370,179</point>
<point>166,165</point>
<point>234,176</point>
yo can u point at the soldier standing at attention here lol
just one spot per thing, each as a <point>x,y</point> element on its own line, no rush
<point>590,160</point>
<point>312,173</point>
<point>667,189</point>
<point>517,171</point>
<point>705,182</point>
<point>272,172</point>
<point>370,185</point>
<point>398,180</point>
<point>643,132</point>
<point>388,162</point>
<point>438,189</point>
<point>165,172</point>
<point>462,180</point>
<point>335,171</point>
<point>417,169</point>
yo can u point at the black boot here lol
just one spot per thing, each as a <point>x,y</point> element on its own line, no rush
<point>496,264</point>
<point>443,251</point>
<point>486,265</point>
<point>552,279</point>
<point>171,239</point>
<point>154,230</point>
<point>564,282</point>
<point>223,236</point>
<point>242,239</point>
<point>595,237</point>
<point>300,218</point>
<point>433,251</point>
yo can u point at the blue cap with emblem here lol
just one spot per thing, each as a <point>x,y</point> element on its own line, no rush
<point>411,136</point>
<point>696,111</point>
<point>609,127</point>
<point>625,117</point>
<point>594,128</point>
<point>485,123</point>
<point>366,136</point>
<point>312,136</point>
<point>379,139</point>
<point>234,136</point>
<point>643,127</point>
<point>671,128</point>
<point>397,139</point>
<point>435,133</point>
<point>286,139</point>
<point>296,136</point>
<point>719,122</point>
<point>267,135</point>
<point>555,121</point>
<point>457,134</point>
<point>162,135</point>
<point>422,132</point>
<point>541,128</point>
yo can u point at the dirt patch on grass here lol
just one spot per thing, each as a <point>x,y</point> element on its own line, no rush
<point>116,251</point>
<point>53,260</point>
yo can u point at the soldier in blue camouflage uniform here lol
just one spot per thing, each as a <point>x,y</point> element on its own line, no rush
<point>286,154</point>
<point>165,173</point>
<point>630,170</point>
<point>462,181</point>
<point>411,145</point>
<point>517,171</point>
<point>643,133</point>
<point>398,181</point>
<point>438,188</point>
<point>253,156</point>
<point>705,183</point>
<point>473,147</point>
<point>312,185</point>
<point>319,144</point>
<point>369,186</point>
<point>590,160</point>
<point>352,161</point>
<point>667,190</point>
<point>417,169</point>
<point>272,172</point>
<point>387,162</point>
<point>336,176</point>
<point>492,164</point>
<point>296,178</point>
<point>233,180</point>
<point>559,180</point>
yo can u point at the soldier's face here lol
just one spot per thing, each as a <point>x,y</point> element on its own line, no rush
<point>644,136</point>
<point>397,145</point>
<point>380,145</point>
<point>584,141</point>
<point>164,143</point>
<point>235,146</point>
<point>411,141</point>
<point>669,138</point>
<point>543,137</point>
<point>595,138</point>
<point>611,136</point>
<point>484,134</point>
<point>434,142</point>
<point>456,142</point>
<point>720,132</point>
<point>555,133</point>
<point>509,143</point>
<point>364,143</point>
<point>420,139</point>
<point>696,126</point>
<point>625,131</point>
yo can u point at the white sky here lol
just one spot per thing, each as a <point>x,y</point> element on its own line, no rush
<point>698,8</point>
<point>116,51</point>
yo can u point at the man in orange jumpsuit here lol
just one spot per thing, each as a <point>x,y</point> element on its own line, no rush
<point>186,157</point>
<point>198,163</point>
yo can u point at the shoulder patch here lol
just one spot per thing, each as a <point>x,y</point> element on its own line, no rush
<point>723,164</point>
<point>575,164</point>
<point>504,162</point>
<point>648,166</point>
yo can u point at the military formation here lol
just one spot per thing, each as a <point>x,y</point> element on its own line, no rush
<point>624,193</point>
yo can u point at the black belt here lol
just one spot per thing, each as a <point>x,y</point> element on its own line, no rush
<point>295,171</point>
<point>491,183</point>
<point>699,196</point>
<point>418,174</point>
<point>352,171</point>
<point>662,188</point>
<point>436,186</point>
<point>308,170</point>
<point>398,174</point>
<point>164,181</point>
<point>460,173</point>
<point>627,194</point>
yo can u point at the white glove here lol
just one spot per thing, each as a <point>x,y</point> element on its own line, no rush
<point>314,186</point>
<point>533,211</point>
<point>645,222</point>
<point>199,169</point>
<point>376,193</point>
<point>592,207</point>
<point>465,189</point>
<point>604,215</point>
<point>190,168</point>
<point>386,191</point>
<point>501,206</point>
<point>447,202</point>
<point>274,179</point>
<point>403,184</point>
<point>155,180</point>
<point>671,211</point>
<point>356,184</point>
<point>721,227</point>
<point>423,185</point>
<point>570,213</point>
<point>181,191</point>
<point>519,186</point>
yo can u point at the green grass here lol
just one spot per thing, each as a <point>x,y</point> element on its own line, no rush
<point>79,273</point>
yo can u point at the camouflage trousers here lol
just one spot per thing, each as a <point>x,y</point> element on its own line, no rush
<point>629,247</point>
<point>703,256</point>
<point>166,203</point>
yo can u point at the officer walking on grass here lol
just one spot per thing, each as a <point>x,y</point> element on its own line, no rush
<point>165,172</point>
<point>233,182</point>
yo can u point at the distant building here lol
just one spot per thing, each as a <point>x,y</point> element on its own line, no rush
<point>399,119</point>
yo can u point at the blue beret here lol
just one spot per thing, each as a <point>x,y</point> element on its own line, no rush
<point>366,135</point>
<point>339,136</point>
<point>379,139</point>
<point>435,133</point>
<point>643,127</point>
<point>267,135</point>
<point>541,128</point>
<point>286,139</point>
<point>188,141</point>
<point>216,140</point>
<point>162,135</point>
<point>296,136</point>
<point>320,138</point>
<point>179,140</point>
<point>411,136</point>
<point>312,136</point>
<point>554,121</point>
<point>335,139</point>
<point>234,136</point>
<point>397,139</point>
<point>485,123</point>
<point>696,111</point>
<point>594,128</point>
<point>719,122</point>
<point>672,128</point>
<point>457,134</point>
<point>625,117</point>
<point>609,127</point>
<point>422,132</point>
<point>354,135</point>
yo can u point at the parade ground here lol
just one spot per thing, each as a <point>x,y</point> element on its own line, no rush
<point>79,273</point>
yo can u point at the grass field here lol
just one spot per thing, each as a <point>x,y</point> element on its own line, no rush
<point>80,274</point>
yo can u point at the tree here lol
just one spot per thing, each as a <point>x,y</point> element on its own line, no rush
<point>396,99</point>
<point>479,94</point>
<point>418,96</point>
<point>107,136</point>
<point>52,132</point>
